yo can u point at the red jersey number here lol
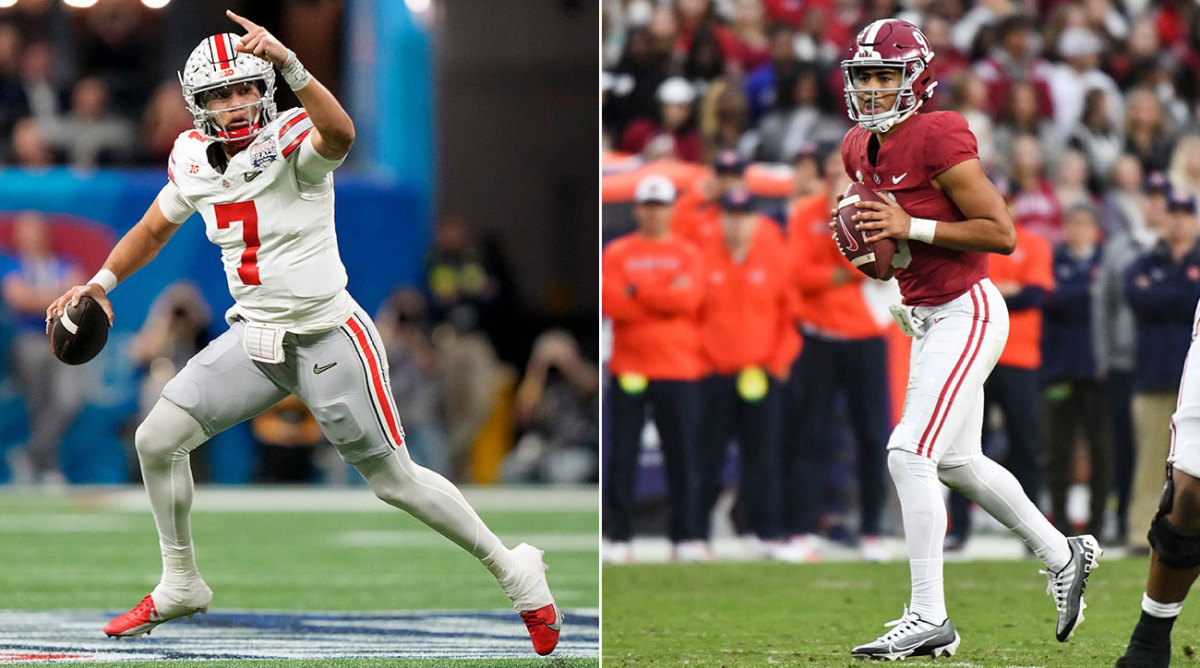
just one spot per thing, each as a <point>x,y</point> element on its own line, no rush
<point>247,215</point>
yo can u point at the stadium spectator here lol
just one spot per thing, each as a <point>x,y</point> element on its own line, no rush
<point>1184,171</point>
<point>1121,205</point>
<point>951,61</point>
<point>1098,139</point>
<point>465,297</point>
<point>695,17</point>
<point>1015,61</point>
<point>1023,278</point>
<point>405,328</point>
<point>176,328</point>
<point>1148,134</point>
<point>556,412</point>
<point>91,134</point>
<point>1079,73</point>
<point>1072,397</point>
<point>288,439</point>
<point>704,63</point>
<point>53,392</point>
<point>1019,116</point>
<point>652,284</point>
<point>45,96</point>
<point>968,96</point>
<point>749,24</point>
<point>164,118</point>
<point>29,147</point>
<point>814,41</point>
<point>672,133</point>
<point>635,82</point>
<point>1035,203</point>
<point>1161,286</point>
<point>763,82</point>
<point>697,213</point>
<point>14,103</point>
<point>748,342</point>
<point>844,355</point>
<point>1114,332</point>
<point>724,117</point>
<point>803,116</point>
<point>1071,177</point>
<point>117,45</point>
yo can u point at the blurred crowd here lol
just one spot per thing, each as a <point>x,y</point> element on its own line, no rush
<point>1087,117</point>
<point>468,412</point>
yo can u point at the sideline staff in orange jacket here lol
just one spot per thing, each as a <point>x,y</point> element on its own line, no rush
<point>652,287</point>
<point>748,342</point>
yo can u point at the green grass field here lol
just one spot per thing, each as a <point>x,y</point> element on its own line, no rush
<point>768,614</point>
<point>76,552</point>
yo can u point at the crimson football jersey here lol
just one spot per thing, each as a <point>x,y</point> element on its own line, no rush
<point>920,148</point>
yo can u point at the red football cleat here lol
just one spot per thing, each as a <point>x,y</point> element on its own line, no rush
<point>145,616</point>
<point>544,625</point>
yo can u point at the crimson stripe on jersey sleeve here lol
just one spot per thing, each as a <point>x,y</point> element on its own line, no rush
<point>295,143</point>
<point>287,126</point>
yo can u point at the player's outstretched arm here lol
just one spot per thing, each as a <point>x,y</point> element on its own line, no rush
<point>987,228</point>
<point>132,252</point>
<point>333,131</point>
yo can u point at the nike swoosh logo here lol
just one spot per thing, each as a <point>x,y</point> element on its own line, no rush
<point>323,369</point>
<point>250,176</point>
<point>898,179</point>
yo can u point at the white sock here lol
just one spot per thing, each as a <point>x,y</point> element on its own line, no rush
<point>1161,610</point>
<point>429,497</point>
<point>164,442</point>
<point>998,492</point>
<point>924,512</point>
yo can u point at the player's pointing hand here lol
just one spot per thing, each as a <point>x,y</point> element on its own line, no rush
<point>259,42</point>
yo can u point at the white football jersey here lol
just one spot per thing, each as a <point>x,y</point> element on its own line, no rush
<point>273,222</point>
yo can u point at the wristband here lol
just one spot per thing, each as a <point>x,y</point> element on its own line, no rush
<point>294,73</point>
<point>105,279</point>
<point>922,229</point>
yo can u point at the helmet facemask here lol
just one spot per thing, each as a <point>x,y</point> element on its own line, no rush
<point>904,104</point>
<point>215,64</point>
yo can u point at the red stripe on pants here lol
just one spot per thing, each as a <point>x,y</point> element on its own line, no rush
<point>385,402</point>
<point>967,369</point>
<point>937,408</point>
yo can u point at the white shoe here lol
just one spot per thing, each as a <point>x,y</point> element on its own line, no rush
<point>691,552</point>
<point>526,584</point>
<point>1067,585</point>
<point>618,552</point>
<point>872,549</point>
<point>801,549</point>
<point>910,636</point>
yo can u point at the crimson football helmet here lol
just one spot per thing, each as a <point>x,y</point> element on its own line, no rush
<point>215,64</point>
<point>890,43</point>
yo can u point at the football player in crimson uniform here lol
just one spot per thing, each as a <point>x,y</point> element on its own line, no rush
<point>262,183</point>
<point>946,216</point>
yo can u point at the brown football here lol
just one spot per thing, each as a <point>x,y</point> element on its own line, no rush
<point>80,333</point>
<point>875,259</point>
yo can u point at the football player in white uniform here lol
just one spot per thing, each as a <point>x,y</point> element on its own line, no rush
<point>263,184</point>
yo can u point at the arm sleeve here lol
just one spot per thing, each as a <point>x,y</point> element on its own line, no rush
<point>174,205</point>
<point>948,143</point>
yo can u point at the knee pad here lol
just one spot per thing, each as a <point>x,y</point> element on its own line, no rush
<point>1175,548</point>
<point>338,422</point>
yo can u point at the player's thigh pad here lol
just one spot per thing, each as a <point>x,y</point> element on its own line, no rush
<point>221,386</point>
<point>947,369</point>
<point>343,378</point>
<point>1175,547</point>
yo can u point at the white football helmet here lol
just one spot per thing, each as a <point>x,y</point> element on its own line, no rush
<point>215,64</point>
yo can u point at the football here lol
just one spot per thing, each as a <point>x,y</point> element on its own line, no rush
<point>80,333</point>
<point>875,259</point>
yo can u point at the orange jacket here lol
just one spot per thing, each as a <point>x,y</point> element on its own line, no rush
<point>651,291</point>
<point>748,310</point>
<point>834,311</point>
<point>1031,264</point>
<point>697,218</point>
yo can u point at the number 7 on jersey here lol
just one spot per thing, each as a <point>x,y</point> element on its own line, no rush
<point>247,215</point>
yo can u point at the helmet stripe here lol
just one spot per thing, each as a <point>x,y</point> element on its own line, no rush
<point>222,50</point>
<point>873,31</point>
